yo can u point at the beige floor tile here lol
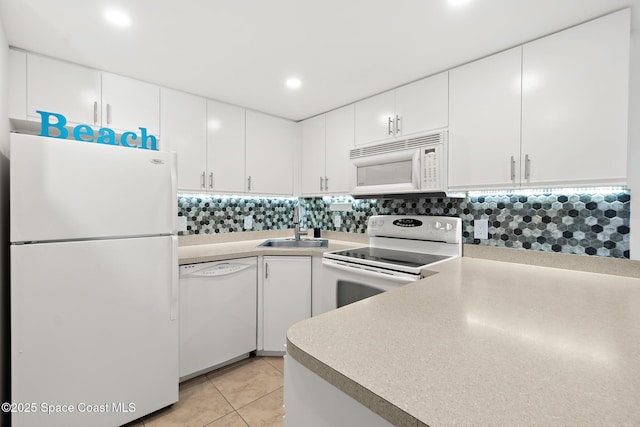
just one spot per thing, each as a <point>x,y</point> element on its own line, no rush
<point>231,420</point>
<point>275,361</point>
<point>264,412</point>
<point>199,403</point>
<point>247,382</point>
<point>221,371</point>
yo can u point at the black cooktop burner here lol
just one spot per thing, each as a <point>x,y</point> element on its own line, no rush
<point>407,259</point>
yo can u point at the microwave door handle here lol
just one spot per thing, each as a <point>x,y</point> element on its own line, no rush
<point>416,169</point>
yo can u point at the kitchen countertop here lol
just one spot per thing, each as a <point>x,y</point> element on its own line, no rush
<point>195,253</point>
<point>486,342</point>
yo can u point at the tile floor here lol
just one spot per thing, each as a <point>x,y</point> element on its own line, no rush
<point>246,393</point>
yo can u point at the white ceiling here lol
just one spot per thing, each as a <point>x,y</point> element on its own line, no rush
<point>242,51</point>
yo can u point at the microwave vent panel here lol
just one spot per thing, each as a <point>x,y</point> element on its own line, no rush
<point>390,147</point>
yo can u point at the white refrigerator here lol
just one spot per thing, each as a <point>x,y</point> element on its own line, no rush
<point>94,282</point>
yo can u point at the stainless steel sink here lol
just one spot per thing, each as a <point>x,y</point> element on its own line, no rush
<point>292,243</point>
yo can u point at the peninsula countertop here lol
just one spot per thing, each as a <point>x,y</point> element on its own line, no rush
<point>486,342</point>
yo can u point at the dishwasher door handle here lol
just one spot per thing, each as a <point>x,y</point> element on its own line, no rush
<point>219,270</point>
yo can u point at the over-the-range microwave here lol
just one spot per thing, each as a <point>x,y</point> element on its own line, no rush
<point>400,168</point>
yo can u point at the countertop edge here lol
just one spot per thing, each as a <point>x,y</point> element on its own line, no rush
<point>194,254</point>
<point>364,396</point>
<point>586,263</point>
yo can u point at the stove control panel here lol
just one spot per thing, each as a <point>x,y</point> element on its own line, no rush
<point>416,227</point>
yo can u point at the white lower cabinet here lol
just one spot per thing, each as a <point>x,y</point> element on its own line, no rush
<point>311,401</point>
<point>286,298</point>
<point>318,280</point>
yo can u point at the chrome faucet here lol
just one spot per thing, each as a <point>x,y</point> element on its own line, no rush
<point>296,221</point>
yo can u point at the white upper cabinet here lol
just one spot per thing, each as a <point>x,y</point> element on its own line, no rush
<point>484,122</point>
<point>63,88</point>
<point>411,109</point>
<point>339,140</point>
<point>550,113</point>
<point>17,84</point>
<point>375,118</point>
<point>270,143</point>
<point>130,104</point>
<point>87,96</point>
<point>422,105</point>
<point>326,141</point>
<point>313,155</point>
<point>225,148</point>
<point>183,118</point>
<point>209,139</point>
<point>575,104</point>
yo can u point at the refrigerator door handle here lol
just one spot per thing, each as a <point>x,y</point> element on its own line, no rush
<point>174,192</point>
<point>175,278</point>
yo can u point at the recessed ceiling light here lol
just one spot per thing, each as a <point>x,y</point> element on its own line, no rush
<point>117,18</point>
<point>293,83</point>
<point>458,3</point>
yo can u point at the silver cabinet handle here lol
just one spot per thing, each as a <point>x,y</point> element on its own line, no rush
<point>397,124</point>
<point>249,184</point>
<point>321,183</point>
<point>513,169</point>
<point>266,270</point>
<point>95,112</point>
<point>108,114</point>
<point>211,180</point>
<point>326,183</point>
<point>527,167</point>
<point>202,180</point>
<point>389,130</point>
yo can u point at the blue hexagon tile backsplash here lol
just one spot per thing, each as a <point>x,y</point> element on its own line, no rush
<point>581,223</point>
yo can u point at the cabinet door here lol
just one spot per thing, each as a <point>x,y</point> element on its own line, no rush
<point>313,155</point>
<point>129,104</point>
<point>63,88</point>
<point>339,140</point>
<point>375,118</point>
<point>423,105</point>
<point>184,130</point>
<point>225,147</point>
<point>270,144</point>
<point>575,104</point>
<point>484,122</point>
<point>286,297</point>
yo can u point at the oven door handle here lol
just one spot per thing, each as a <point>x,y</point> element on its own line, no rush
<point>400,278</point>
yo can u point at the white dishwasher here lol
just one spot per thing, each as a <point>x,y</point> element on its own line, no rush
<point>218,314</point>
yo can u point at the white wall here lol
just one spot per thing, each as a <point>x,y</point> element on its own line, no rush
<point>4,226</point>
<point>633,157</point>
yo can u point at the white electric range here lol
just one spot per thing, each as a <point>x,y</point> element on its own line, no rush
<point>400,247</point>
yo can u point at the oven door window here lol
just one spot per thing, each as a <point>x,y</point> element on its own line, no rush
<point>349,292</point>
